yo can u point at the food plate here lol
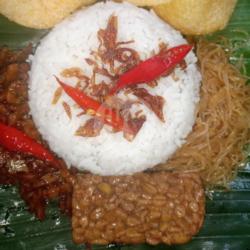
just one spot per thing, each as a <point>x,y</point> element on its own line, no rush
<point>227,223</point>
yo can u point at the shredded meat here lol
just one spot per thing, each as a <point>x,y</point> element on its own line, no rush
<point>155,103</point>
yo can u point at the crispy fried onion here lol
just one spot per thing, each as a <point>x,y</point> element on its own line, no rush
<point>110,50</point>
<point>91,128</point>
<point>155,103</point>
<point>111,59</point>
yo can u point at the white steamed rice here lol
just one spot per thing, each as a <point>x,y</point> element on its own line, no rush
<point>66,46</point>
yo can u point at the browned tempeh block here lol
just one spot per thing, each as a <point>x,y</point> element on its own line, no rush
<point>145,207</point>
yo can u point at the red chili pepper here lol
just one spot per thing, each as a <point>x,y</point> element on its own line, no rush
<point>109,116</point>
<point>16,141</point>
<point>152,68</point>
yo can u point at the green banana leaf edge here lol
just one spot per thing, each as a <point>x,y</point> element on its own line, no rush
<point>227,221</point>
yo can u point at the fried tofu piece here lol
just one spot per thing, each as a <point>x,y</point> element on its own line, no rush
<point>154,208</point>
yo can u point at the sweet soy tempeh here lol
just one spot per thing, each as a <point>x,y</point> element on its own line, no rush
<point>145,207</point>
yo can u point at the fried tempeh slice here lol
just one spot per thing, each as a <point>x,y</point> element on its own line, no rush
<point>155,208</point>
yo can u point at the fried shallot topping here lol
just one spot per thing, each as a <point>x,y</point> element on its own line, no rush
<point>83,80</point>
<point>111,59</point>
<point>132,127</point>
<point>91,128</point>
<point>67,109</point>
<point>57,95</point>
<point>155,103</point>
<point>110,50</point>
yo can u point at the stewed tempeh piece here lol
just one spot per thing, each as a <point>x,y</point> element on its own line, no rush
<point>145,207</point>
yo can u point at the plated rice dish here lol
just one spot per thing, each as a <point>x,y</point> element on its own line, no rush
<point>110,153</point>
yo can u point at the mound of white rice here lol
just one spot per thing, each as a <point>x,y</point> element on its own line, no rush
<point>66,46</point>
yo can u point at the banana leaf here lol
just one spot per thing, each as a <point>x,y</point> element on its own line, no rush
<point>227,221</point>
